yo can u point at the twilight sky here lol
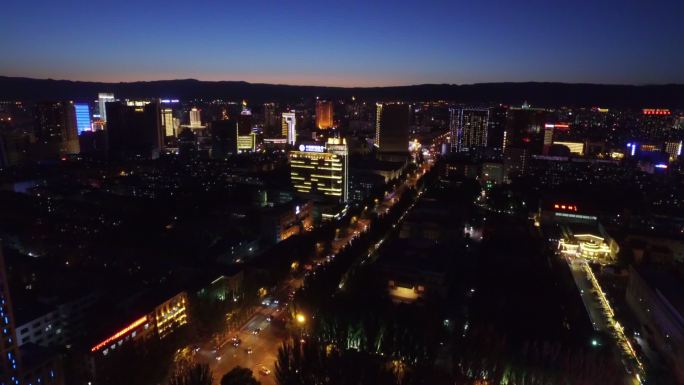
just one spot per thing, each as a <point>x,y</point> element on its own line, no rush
<point>346,43</point>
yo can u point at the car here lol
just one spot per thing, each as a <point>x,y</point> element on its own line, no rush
<point>256,331</point>
<point>264,370</point>
<point>269,319</point>
<point>249,351</point>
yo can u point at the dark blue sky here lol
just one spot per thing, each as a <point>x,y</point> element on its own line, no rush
<point>372,42</point>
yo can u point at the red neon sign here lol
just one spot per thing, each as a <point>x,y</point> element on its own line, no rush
<point>565,207</point>
<point>119,334</point>
<point>656,111</point>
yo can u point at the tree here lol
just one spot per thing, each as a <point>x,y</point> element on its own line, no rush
<point>239,376</point>
<point>195,375</point>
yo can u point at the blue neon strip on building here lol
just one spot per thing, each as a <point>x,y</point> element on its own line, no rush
<point>82,117</point>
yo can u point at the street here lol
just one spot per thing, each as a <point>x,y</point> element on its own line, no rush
<point>603,317</point>
<point>264,348</point>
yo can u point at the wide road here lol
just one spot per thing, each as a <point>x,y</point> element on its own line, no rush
<point>603,318</point>
<point>264,348</point>
<point>589,297</point>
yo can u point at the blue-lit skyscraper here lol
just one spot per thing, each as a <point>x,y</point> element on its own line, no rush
<point>82,117</point>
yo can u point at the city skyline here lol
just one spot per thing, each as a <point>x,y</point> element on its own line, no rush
<point>342,193</point>
<point>611,43</point>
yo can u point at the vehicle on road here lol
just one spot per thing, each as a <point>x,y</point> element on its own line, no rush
<point>249,351</point>
<point>256,331</point>
<point>264,370</point>
<point>269,319</point>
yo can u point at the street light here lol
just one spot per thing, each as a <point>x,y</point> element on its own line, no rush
<point>301,318</point>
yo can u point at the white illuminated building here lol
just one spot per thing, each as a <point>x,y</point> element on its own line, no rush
<point>195,118</point>
<point>169,123</point>
<point>102,99</point>
<point>289,127</point>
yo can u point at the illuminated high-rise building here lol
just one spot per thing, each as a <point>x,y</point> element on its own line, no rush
<point>468,128</point>
<point>246,143</point>
<point>289,127</point>
<point>195,117</point>
<point>324,115</point>
<point>391,128</point>
<point>320,171</point>
<point>674,149</point>
<point>102,100</point>
<point>82,117</point>
<point>169,123</point>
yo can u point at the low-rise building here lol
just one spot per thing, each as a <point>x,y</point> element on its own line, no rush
<point>413,269</point>
<point>283,221</point>
<point>53,325</point>
<point>141,318</point>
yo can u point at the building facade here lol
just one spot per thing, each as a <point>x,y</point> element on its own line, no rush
<point>102,100</point>
<point>29,364</point>
<point>55,129</point>
<point>270,121</point>
<point>82,117</point>
<point>391,128</point>
<point>324,115</point>
<point>195,117</point>
<point>134,129</point>
<point>320,171</point>
<point>169,123</point>
<point>469,128</point>
<point>245,122</point>
<point>159,322</point>
<point>289,127</point>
